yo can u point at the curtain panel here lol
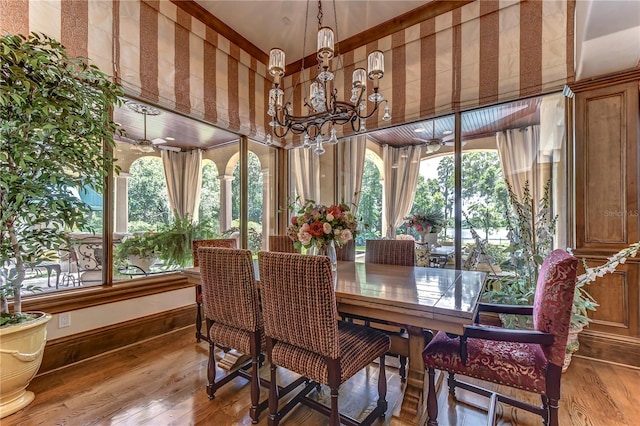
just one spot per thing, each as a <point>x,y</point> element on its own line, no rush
<point>401,169</point>
<point>183,174</point>
<point>352,154</point>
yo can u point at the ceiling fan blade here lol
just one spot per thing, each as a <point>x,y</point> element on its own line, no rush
<point>433,141</point>
<point>170,148</point>
<point>158,141</point>
<point>125,139</point>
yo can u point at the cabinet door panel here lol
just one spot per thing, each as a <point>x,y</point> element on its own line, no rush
<point>607,168</point>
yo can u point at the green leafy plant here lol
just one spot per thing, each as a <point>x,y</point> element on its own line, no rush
<point>140,244</point>
<point>173,241</point>
<point>56,133</point>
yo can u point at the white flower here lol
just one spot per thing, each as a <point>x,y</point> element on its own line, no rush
<point>329,218</point>
<point>326,227</point>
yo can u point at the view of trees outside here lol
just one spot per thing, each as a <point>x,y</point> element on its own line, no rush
<point>484,191</point>
<point>254,194</point>
<point>148,201</point>
<point>484,194</point>
<point>209,210</point>
<point>370,208</point>
<point>254,190</point>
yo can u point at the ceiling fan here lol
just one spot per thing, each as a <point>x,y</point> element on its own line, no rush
<point>144,144</point>
<point>434,144</point>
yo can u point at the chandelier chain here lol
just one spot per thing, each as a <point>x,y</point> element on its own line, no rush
<point>324,110</point>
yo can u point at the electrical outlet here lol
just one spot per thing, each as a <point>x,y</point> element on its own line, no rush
<point>64,320</point>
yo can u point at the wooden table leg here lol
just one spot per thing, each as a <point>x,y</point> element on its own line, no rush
<point>413,394</point>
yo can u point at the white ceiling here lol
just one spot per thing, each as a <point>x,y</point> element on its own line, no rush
<point>607,36</point>
<point>267,23</point>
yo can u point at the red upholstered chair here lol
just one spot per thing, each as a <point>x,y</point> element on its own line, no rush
<point>390,252</point>
<point>530,360</point>
<point>282,243</point>
<point>195,245</point>
<point>232,310</point>
<point>304,335</point>
<point>347,252</point>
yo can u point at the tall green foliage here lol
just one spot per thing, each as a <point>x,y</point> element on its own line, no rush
<point>254,189</point>
<point>54,127</point>
<point>148,199</point>
<point>370,207</point>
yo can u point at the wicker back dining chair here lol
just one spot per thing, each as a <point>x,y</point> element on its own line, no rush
<point>232,310</point>
<point>393,252</point>
<point>347,252</point>
<point>282,243</point>
<point>304,335</point>
<point>195,245</point>
<point>530,360</point>
<point>390,252</point>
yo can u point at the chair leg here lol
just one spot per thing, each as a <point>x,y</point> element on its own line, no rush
<point>254,413</point>
<point>451,381</point>
<point>545,406</point>
<point>334,384</point>
<point>382,387</point>
<point>211,371</point>
<point>198,322</point>
<point>553,412</point>
<point>403,368</point>
<point>273,389</point>
<point>432,399</point>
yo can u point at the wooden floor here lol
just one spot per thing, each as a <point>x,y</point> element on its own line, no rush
<point>162,382</point>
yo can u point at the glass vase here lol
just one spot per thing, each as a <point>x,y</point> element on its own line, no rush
<point>327,249</point>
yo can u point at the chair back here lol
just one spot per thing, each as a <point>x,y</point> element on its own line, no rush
<point>218,242</point>
<point>282,244</point>
<point>347,252</point>
<point>298,301</point>
<point>390,252</point>
<point>553,301</point>
<point>229,291</point>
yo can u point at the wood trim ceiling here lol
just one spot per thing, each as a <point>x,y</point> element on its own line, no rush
<point>406,20</point>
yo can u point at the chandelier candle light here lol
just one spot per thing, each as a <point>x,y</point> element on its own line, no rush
<point>325,111</point>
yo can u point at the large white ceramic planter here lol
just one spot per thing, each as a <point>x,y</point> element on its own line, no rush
<point>21,349</point>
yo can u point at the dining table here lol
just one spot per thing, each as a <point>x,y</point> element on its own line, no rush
<point>421,299</point>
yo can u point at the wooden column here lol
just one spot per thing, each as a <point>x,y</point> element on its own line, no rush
<point>607,136</point>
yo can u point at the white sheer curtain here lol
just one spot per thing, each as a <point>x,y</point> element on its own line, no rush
<point>183,173</point>
<point>352,153</point>
<point>306,174</point>
<point>401,168</point>
<point>522,160</point>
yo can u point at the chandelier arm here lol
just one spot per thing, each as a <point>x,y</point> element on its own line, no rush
<point>353,121</point>
<point>376,107</point>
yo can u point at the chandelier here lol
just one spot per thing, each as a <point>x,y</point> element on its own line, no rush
<point>324,110</point>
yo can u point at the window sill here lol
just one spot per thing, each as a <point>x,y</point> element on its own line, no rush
<point>79,298</point>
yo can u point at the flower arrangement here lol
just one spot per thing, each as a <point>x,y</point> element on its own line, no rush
<point>316,225</point>
<point>423,223</point>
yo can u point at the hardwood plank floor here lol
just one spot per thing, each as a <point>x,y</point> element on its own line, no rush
<point>162,382</point>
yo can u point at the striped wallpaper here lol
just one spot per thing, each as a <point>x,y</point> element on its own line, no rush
<point>484,52</point>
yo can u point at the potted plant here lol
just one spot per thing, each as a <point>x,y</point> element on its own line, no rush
<point>55,123</point>
<point>427,225</point>
<point>139,250</point>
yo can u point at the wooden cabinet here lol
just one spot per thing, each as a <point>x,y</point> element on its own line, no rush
<point>607,167</point>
